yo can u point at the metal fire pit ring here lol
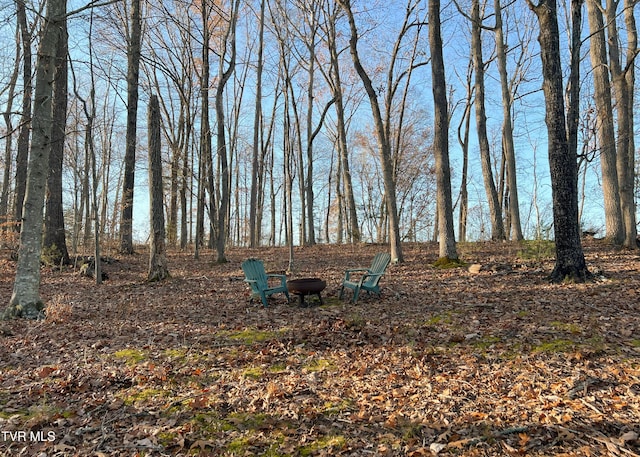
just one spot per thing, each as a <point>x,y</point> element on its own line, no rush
<point>306,286</point>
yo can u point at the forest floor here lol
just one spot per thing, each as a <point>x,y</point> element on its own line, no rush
<point>447,362</point>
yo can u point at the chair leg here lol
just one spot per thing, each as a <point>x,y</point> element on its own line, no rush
<point>341,293</point>
<point>264,300</point>
<point>356,292</point>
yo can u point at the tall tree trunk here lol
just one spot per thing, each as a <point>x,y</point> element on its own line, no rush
<point>507,128</point>
<point>310,238</point>
<point>463,139</point>
<point>440,137</point>
<point>25,299</point>
<point>497,226</point>
<point>605,131</point>
<point>8,145</point>
<point>54,233</point>
<point>22,155</point>
<point>341,125</point>
<point>384,146</point>
<point>158,269</point>
<point>254,239</point>
<point>570,262</point>
<point>623,93</point>
<point>223,77</point>
<point>204,162</point>
<point>184,190</point>
<point>91,150</point>
<point>133,72</point>
<point>90,196</point>
<point>627,187</point>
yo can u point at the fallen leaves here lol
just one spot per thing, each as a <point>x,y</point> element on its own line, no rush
<point>447,362</point>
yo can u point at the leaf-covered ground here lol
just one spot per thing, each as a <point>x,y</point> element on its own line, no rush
<point>447,362</point>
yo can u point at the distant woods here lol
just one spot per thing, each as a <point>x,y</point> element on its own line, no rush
<point>313,121</point>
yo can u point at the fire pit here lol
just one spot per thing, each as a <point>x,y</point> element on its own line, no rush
<point>306,286</point>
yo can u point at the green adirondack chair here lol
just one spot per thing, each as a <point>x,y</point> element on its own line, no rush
<point>369,278</point>
<point>259,280</point>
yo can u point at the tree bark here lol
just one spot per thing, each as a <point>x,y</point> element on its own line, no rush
<point>204,162</point>
<point>447,241</point>
<point>384,145</point>
<point>22,155</point>
<point>158,269</point>
<point>25,299</point>
<point>623,82</point>
<point>570,263</point>
<point>605,131</point>
<point>497,225</point>
<point>223,77</point>
<point>54,235</point>
<point>343,150</point>
<point>507,128</point>
<point>8,146</point>
<point>627,187</point>
<point>254,240</point>
<point>133,72</point>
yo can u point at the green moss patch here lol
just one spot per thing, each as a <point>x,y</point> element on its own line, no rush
<point>131,356</point>
<point>444,263</point>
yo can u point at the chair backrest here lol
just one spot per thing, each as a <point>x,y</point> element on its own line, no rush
<point>378,267</point>
<point>254,270</point>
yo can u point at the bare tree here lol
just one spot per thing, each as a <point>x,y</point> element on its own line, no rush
<point>507,126</point>
<point>54,232</point>
<point>463,139</point>
<point>8,147</point>
<point>257,154</point>
<point>495,210</point>
<point>570,261</point>
<point>25,299</point>
<point>22,155</point>
<point>440,137</point>
<point>334,80</point>
<point>205,175</point>
<point>90,172</point>
<point>134,38</point>
<point>158,269</point>
<point>226,67</point>
<point>623,79</point>
<point>383,125</point>
<point>605,130</point>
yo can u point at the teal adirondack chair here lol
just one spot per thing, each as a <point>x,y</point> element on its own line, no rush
<point>369,279</point>
<point>258,279</point>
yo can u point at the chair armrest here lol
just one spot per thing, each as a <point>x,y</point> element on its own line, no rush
<point>282,278</point>
<point>371,275</point>
<point>347,273</point>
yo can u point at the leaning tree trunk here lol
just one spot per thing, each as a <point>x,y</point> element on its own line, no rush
<point>158,269</point>
<point>336,86</point>
<point>384,145</point>
<point>25,300</point>
<point>570,262</point>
